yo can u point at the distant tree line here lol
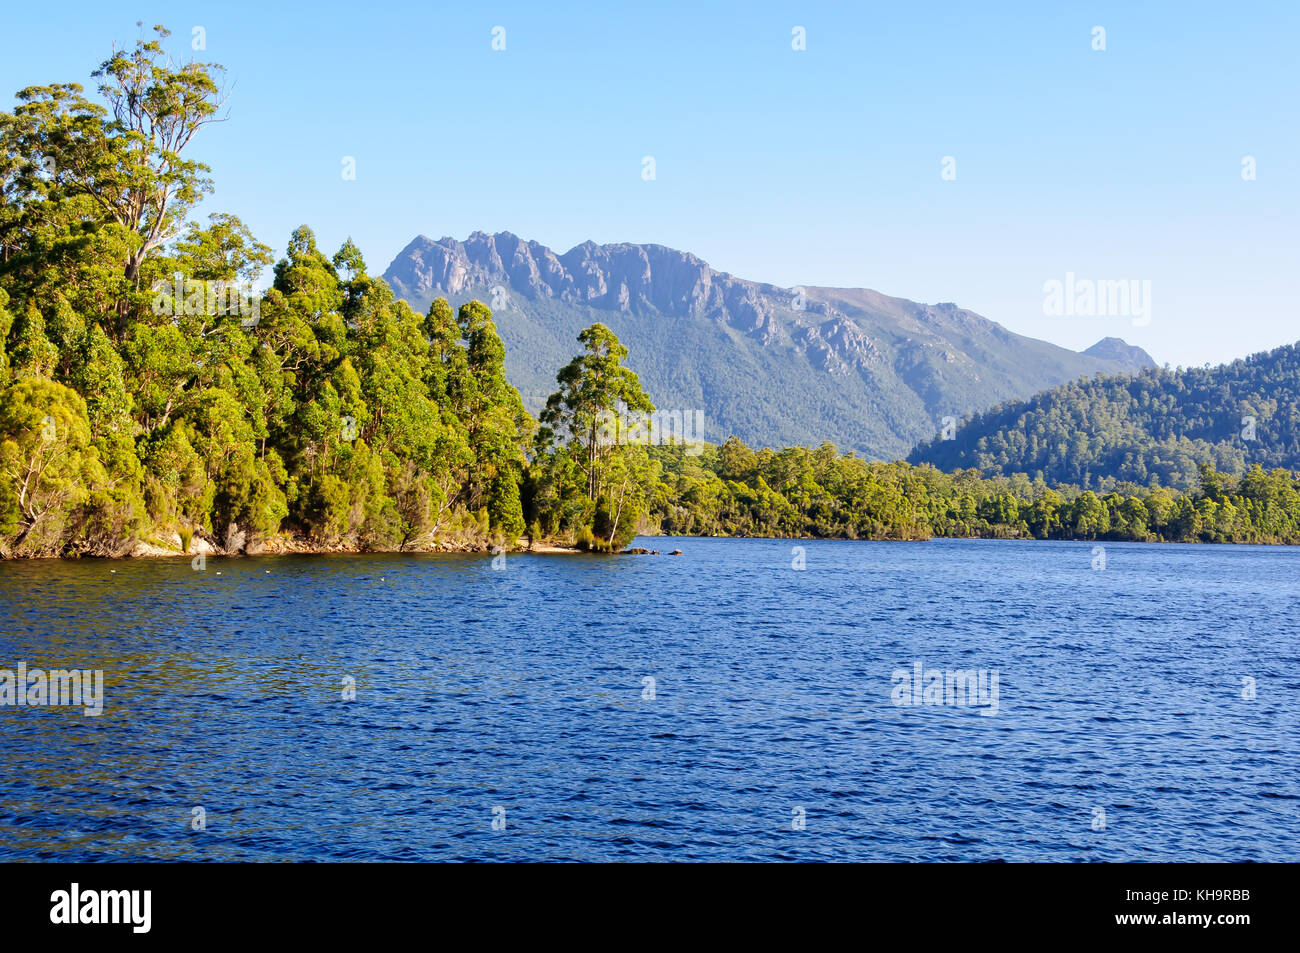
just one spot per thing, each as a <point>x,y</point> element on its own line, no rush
<point>732,490</point>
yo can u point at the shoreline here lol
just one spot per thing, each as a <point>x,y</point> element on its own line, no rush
<point>142,549</point>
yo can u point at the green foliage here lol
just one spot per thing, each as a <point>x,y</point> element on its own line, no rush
<point>814,493</point>
<point>505,512</point>
<point>583,416</point>
<point>1158,427</point>
<point>331,411</point>
<point>590,475</point>
<point>49,469</point>
<point>135,402</point>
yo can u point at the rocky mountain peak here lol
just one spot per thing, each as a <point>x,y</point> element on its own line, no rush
<point>1120,351</point>
<point>773,365</point>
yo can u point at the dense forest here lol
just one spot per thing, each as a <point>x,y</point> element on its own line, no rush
<point>152,401</point>
<point>1157,427</point>
<point>733,490</point>
<point>149,394</point>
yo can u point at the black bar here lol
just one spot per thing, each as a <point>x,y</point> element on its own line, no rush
<point>928,902</point>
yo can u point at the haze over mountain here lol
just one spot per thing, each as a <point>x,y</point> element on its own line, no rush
<point>774,366</point>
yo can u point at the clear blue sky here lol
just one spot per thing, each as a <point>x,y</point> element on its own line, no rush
<point>819,167</point>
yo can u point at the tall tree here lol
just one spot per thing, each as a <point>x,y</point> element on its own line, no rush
<point>585,414</point>
<point>122,165</point>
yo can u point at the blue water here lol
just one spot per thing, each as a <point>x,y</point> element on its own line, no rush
<point>521,689</point>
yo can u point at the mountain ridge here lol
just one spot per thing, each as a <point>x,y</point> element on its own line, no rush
<point>776,366</point>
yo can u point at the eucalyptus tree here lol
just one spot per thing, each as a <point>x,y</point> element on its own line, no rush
<point>583,415</point>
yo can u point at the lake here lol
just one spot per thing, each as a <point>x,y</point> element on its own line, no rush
<point>719,705</point>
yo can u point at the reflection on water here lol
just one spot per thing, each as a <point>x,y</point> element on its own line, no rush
<point>522,689</point>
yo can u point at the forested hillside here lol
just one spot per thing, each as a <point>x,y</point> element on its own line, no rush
<point>1157,426</point>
